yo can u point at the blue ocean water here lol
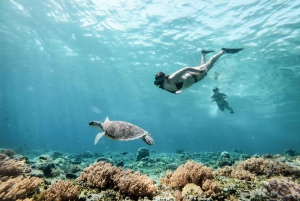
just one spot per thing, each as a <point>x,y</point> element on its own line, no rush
<point>65,63</point>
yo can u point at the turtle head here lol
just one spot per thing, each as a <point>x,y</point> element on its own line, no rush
<point>96,125</point>
<point>148,139</point>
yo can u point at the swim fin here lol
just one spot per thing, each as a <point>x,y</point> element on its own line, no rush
<point>232,51</point>
<point>206,51</point>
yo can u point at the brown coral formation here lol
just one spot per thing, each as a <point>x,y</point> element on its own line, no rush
<point>11,167</point>
<point>281,189</point>
<point>13,185</point>
<point>236,173</point>
<point>267,167</point>
<point>134,184</point>
<point>104,175</point>
<point>17,188</point>
<point>191,190</point>
<point>62,190</point>
<point>251,168</point>
<point>194,173</point>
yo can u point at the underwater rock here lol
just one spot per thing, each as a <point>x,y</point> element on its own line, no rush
<point>225,162</point>
<point>142,153</point>
<point>171,166</point>
<point>91,197</point>
<point>45,164</point>
<point>225,155</point>
<point>61,162</point>
<point>75,158</point>
<point>258,195</point>
<point>119,163</point>
<point>75,168</point>
<point>255,156</point>
<point>87,154</point>
<point>179,151</point>
<point>185,156</point>
<point>37,173</point>
<point>290,152</point>
<point>56,155</point>
<point>244,157</point>
<point>71,176</point>
<point>237,150</point>
<point>267,156</point>
<point>106,160</point>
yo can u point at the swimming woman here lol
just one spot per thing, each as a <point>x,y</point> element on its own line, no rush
<point>187,76</point>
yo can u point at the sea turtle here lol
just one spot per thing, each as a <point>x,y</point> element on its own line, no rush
<point>120,130</point>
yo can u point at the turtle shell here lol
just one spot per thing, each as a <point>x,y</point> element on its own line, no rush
<point>120,130</point>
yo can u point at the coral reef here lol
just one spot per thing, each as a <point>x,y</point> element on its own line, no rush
<point>134,184</point>
<point>282,189</point>
<point>251,168</point>
<point>19,187</point>
<point>61,190</point>
<point>8,152</point>
<point>183,176</point>
<point>194,173</point>
<point>267,167</point>
<point>104,175</point>
<point>99,175</point>
<point>191,190</point>
<point>11,167</point>
<point>234,172</point>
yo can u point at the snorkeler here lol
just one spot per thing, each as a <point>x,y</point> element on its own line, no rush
<point>186,77</point>
<point>220,99</point>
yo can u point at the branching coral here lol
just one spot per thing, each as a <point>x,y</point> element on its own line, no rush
<point>99,175</point>
<point>250,168</point>
<point>11,167</point>
<point>134,184</point>
<point>211,188</point>
<point>233,172</point>
<point>260,166</point>
<point>17,188</point>
<point>62,190</point>
<point>190,172</point>
<point>194,173</point>
<point>191,190</point>
<point>104,175</point>
<point>283,190</point>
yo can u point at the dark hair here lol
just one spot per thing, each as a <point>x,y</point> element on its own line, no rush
<point>159,79</point>
<point>159,75</point>
<point>215,89</point>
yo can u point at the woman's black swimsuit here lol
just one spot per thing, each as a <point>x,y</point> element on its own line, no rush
<point>180,84</point>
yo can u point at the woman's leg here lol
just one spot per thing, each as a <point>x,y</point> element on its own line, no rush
<point>226,105</point>
<point>213,60</point>
<point>221,106</point>
<point>203,58</point>
<point>204,52</point>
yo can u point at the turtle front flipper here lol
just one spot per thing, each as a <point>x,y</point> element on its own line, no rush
<point>98,136</point>
<point>148,139</point>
